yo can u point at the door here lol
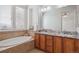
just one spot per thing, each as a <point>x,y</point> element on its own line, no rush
<point>49,43</point>
<point>37,41</point>
<point>68,45</point>
<point>57,44</point>
<point>42,42</point>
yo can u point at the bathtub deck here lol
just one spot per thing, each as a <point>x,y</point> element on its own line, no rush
<point>25,47</point>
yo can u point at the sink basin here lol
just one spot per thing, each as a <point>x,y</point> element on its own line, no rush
<point>63,34</point>
<point>67,35</point>
<point>46,33</point>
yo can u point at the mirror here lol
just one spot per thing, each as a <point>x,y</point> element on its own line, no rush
<point>59,19</point>
<point>68,15</point>
<point>51,19</point>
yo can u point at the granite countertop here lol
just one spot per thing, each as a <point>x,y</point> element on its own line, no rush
<point>60,34</point>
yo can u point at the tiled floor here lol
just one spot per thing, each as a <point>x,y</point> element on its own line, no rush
<point>31,51</point>
<point>36,51</point>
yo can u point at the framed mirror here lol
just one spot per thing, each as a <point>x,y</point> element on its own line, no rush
<point>68,16</point>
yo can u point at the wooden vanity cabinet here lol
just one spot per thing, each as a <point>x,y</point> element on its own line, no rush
<point>68,45</point>
<point>49,43</point>
<point>42,42</point>
<point>37,41</point>
<point>58,44</point>
<point>77,45</point>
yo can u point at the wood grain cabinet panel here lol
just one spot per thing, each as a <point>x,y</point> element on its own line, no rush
<point>49,43</point>
<point>37,41</point>
<point>42,42</point>
<point>68,45</point>
<point>77,46</point>
<point>57,44</point>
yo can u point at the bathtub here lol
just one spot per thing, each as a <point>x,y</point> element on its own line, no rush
<point>8,43</point>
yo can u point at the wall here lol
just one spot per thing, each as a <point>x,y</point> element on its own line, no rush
<point>33,21</point>
<point>35,17</point>
<point>77,7</point>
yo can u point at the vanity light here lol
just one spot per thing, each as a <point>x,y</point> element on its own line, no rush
<point>45,9</point>
<point>48,8</point>
<point>65,14</point>
<point>42,10</point>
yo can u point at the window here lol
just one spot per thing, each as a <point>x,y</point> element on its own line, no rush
<point>5,17</point>
<point>12,17</point>
<point>20,18</point>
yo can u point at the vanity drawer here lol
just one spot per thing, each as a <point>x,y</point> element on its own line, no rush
<point>37,41</point>
<point>49,43</point>
<point>68,45</point>
<point>42,42</point>
<point>77,45</point>
<point>57,44</point>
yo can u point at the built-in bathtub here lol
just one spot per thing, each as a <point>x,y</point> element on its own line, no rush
<point>12,42</point>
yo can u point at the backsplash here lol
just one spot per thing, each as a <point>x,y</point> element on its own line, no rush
<point>70,33</point>
<point>11,34</point>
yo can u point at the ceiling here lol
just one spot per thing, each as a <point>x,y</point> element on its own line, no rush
<point>42,6</point>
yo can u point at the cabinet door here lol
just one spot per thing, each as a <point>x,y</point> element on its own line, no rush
<point>77,46</point>
<point>37,40</point>
<point>57,44</point>
<point>42,42</point>
<point>68,45</point>
<point>49,43</point>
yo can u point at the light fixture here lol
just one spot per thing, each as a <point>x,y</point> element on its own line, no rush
<point>45,9</point>
<point>48,8</point>
<point>65,13</point>
<point>42,10</point>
